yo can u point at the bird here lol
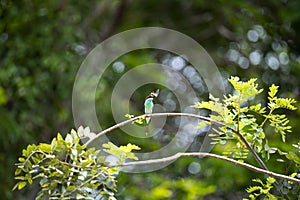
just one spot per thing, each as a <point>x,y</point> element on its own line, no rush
<point>148,105</point>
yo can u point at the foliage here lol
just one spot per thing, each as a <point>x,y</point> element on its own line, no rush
<point>38,63</point>
<point>188,187</point>
<point>65,169</point>
<point>156,186</point>
<point>139,121</point>
<point>263,190</point>
<point>122,152</point>
<point>236,112</point>
<point>293,155</point>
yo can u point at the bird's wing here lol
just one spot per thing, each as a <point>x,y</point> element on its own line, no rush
<point>148,108</point>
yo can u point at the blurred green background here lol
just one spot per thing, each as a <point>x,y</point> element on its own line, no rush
<point>42,44</point>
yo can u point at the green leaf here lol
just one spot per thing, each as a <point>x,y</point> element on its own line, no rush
<point>20,178</point>
<point>253,189</point>
<point>29,180</point>
<point>35,160</point>
<point>129,147</point>
<point>74,154</point>
<point>122,152</point>
<point>109,145</point>
<point>18,171</point>
<point>15,186</point>
<point>129,116</point>
<point>45,147</point>
<point>270,180</point>
<point>252,197</point>
<point>21,185</point>
<point>293,175</point>
<point>69,140</point>
<point>101,159</point>
<point>258,181</point>
<point>71,187</point>
<point>246,89</point>
<point>25,153</point>
<point>273,90</point>
<point>60,138</point>
<point>203,124</point>
<point>53,145</point>
<point>293,157</point>
<point>285,103</point>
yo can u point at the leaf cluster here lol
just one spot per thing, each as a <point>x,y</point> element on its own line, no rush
<point>237,113</point>
<point>139,121</point>
<point>241,118</point>
<point>262,190</point>
<point>65,169</point>
<point>122,152</point>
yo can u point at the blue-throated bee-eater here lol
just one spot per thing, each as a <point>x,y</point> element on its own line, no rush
<point>149,107</point>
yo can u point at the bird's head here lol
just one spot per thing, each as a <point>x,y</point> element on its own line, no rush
<point>153,94</point>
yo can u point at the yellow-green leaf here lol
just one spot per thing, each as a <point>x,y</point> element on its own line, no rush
<point>45,147</point>
<point>21,185</point>
<point>273,90</point>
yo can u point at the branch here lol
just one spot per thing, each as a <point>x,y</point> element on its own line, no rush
<point>257,158</point>
<point>202,154</point>
<point>152,115</point>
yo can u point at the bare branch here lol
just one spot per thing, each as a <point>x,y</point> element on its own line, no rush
<point>202,154</point>
<point>153,115</point>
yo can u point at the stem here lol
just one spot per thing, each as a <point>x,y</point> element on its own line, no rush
<point>202,154</point>
<point>238,116</point>
<point>271,111</point>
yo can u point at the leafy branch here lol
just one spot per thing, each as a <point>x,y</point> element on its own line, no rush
<point>65,169</point>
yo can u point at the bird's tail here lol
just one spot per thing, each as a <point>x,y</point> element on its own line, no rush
<point>148,120</point>
<point>147,129</point>
<point>147,124</point>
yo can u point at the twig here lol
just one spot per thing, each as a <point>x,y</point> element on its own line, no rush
<point>202,154</point>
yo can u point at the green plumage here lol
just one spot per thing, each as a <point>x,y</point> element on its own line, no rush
<point>148,105</point>
<point>148,110</point>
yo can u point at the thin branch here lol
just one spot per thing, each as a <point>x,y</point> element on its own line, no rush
<point>152,115</point>
<point>257,158</point>
<point>202,154</point>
